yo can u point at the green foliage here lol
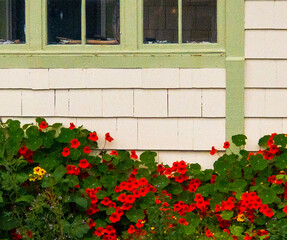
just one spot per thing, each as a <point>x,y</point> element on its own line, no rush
<point>54,195</point>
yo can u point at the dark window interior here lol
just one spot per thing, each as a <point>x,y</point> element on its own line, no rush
<point>199,23</point>
<point>102,21</point>
<point>12,21</point>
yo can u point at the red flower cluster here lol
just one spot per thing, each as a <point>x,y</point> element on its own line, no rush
<point>108,233</point>
<point>212,181</point>
<point>134,155</point>
<point>227,205</point>
<point>201,204</point>
<point>268,212</point>
<point>193,185</point>
<point>73,170</point>
<point>272,179</point>
<point>249,201</point>
<point>72,126</point>
<point>209,234</point>
<point>92,195</point>
<point>183,208</point>
<point>183,221</point>
<point>26,153</point>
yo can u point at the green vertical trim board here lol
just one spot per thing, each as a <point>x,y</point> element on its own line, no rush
<point>234,68</point>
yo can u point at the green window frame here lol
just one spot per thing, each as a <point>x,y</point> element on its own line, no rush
<point>130,53</point>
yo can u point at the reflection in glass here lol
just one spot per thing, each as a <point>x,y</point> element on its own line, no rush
<point>12,21</point>
<point>160,21</point>
<point>103,21</point>
<point>199,22</point>
<point>64,21</point>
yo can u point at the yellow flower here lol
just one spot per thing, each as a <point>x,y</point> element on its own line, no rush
<point>152,228</point>
<point>32,179</point>
<point>37,170</point>
<point>240,218</point>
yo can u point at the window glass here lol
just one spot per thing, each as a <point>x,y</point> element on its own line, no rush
<point>12,21</point>
<point>160,21</point>
<point>64,21</point>
<point>103,21</point>
<point>199,22</point>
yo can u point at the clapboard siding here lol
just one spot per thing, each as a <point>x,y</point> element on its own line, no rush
<point>265,69</point>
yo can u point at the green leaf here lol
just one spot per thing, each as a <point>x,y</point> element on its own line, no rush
<point>57,125</point>
<point>176,188</point>
<point>8,223</point>
<point>75,154</point>
<point>222,167</point>
<point>34,142</point>
<point>32,131</point>
<point>2,135</point>
<point>1,198</point>
<point>40,119</point>
<point>91,182</point>
<point>160,182</point>
<point>14,125</point>
<point>48,139</point>
<point>25,198</point>
<point>107,157</point>
<point>205,190</point>
<point>263,141</point>
<point>148,157</point>
<point>238,185</point>
<point>66,135</point>
<point>21,177</point>
<point>281,161</point>
<point>109,180</point>
<point>236,230</point>
<point>80,201</point>
<point>103,167</point>
<point>239,140</point>
<point>60,172</point>
<point>71,180</point>
<point>18,135</point>
<point>280,140</point>
<point>226,215</point>
<point>267,195</point>
<point>135,214</point>
<point>257,162</point>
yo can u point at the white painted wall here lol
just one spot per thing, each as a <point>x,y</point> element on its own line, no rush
<point>180,113</point>
<point>265,69</point>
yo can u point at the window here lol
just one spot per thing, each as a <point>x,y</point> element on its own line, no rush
<point>85,32</point>
<point>66,23</point>
<point>12,21</point>
<point>196,20</point>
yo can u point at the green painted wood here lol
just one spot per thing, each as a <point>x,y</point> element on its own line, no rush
<point>234,68</point>
<point>115,61</point>
<point>34,25</point>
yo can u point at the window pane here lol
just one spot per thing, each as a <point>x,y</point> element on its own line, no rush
<point>12,21</point>
<point>64,21</point>
<point>103,21</point>
<point>160,21</point>
<point>199,22</point>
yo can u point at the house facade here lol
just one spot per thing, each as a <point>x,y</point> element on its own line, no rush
<point>173,76</point>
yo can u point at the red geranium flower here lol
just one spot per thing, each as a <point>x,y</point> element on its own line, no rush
<point>133,154</point>
<point>84,163</point>
<point>99,231</point>
<point>75,143</point>
<point>72,126</point>
<point>114,153</point>
<point>213,150</point>
<point>93,136</point>
<point>108,137</point>
<point>66,152</point>
<point>43,125</point>
<point>87,150</point>
<point>30,234</point>
<point>226,145</point>
<point>131,229</point>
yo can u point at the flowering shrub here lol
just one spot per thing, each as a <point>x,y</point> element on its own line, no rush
<point>56,184</point>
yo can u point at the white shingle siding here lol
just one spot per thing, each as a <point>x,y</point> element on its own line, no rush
<point>265,69</point>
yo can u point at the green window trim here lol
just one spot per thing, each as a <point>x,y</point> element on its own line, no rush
<point>131,53</point>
